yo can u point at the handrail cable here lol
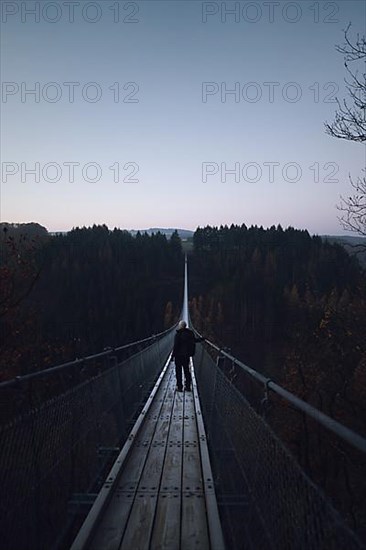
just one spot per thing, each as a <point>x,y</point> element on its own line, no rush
<point>46,372</point>
<point>326,421</point>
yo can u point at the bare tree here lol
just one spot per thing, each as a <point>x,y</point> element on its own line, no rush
<point>350,119</point>
<point>353,208</point>
<point>350,124</point>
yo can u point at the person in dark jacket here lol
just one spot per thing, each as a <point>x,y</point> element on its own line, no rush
<point>184,345</point>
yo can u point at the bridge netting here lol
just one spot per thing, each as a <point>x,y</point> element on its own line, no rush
<point>264,497</point>
<point>69,425</point>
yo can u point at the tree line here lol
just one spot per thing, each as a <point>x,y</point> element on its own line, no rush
<point>287,303</point>
<point>88,289</point>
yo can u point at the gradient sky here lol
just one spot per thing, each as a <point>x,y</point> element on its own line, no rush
<point>168,49</point>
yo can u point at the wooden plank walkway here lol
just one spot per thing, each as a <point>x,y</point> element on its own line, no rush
<point>160,493</point>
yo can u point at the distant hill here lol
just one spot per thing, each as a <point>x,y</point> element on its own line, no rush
<point>31,229</point>
<point>183,233</point>
<point>353,245</point>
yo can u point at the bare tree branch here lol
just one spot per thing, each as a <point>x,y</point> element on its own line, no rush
<point>350,121</point>
<point>350,51</point>
<point>350,124</point>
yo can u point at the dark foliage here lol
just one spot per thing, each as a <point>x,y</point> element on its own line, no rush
<point>288,304</point>
<point>96,288</point>
<point>294,307</point>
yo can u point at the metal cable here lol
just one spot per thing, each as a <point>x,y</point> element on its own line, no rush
<point>54,455</point>
<point>265,498</point>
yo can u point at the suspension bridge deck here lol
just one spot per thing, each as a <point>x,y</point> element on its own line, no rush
<point>160,492</point>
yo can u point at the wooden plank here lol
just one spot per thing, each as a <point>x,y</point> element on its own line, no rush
<point>166,530</point>
<point>194,522</point>
<point>137,534</point>
<point>151,475</point>
<point>172,472</point>
<point>192,474</point>
<point>136,463</point>
<point>110,531</point>
<point>194,532</point>
<point>213,519</point>
<point>113,523</point>
<point>134,467</point>
<point>139,528</point>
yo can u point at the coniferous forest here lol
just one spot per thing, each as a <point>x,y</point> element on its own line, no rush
<point>288,304</point>
<point>71,295</point>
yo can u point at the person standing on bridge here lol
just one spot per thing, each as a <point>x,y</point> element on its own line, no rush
<point>183,350</point>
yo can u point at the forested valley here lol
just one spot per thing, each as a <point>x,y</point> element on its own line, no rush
<point>72,295</point>
<point>286,303</point>
<point>289,305</point>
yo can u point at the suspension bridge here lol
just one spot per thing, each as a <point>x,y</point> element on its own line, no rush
<point>103,453</point>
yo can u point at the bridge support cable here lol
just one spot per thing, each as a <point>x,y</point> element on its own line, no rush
<point>264,497</point>
<point>68,367</point>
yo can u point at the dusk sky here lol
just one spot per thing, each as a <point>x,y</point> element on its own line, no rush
<point>143,89</point>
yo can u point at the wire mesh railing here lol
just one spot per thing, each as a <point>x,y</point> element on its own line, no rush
<point>70,423</point>
<point>265,498</point>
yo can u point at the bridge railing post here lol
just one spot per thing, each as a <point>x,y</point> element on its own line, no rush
<point>220,359</point>
<point>265,403</point>
<point>119,409</point>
